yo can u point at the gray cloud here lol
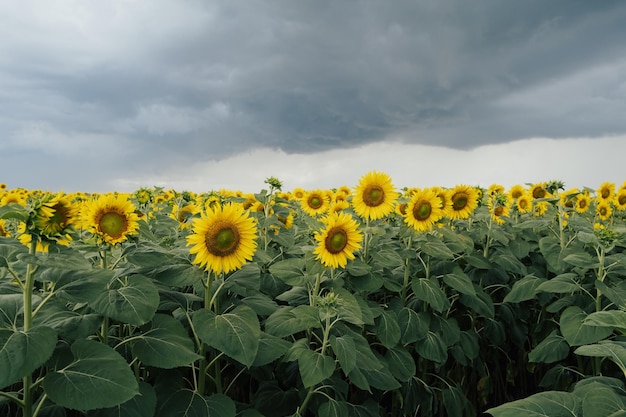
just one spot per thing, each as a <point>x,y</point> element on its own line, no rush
<point>148,84</point>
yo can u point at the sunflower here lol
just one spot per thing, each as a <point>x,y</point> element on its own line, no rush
<point>499,208</point>
<point>3,231</point>
<point>375,196</point>
<point>446,202</point>
<point>287,221</point>
<point>539,190</point>
<point>540,208</point>
<point>224,238</point>
<point>338,241</point>
<point>464,200</point>
<point>315,202</point>
<point>524,203</point>
<point>339,205</point>
<point>184,213</point>
<point>620,200</point>
<point>55,215</point>
<point>495,189</point>
<point>582,202</point>
<point>111,218</point>
<point>568,198</point>
<point>603,210</point>
<point>606,191</point>
<point>516,191</point>
<point>423,210</point>
<point>298,193</point>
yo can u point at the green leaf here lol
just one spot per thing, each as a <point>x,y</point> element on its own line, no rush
<point>432,347</point>
<point>550,248</point>
<point>23,352</point>
<point>615,351</point>
<point>164,343</point>
<point>142,405</point>
<point>289,320</point>
<point>70,325</point>
<point>523,290</point>
<point>435,248</point>
<point>332,408</point>
<point>381,378</point>
<point>235,333</point>
<point>315,367</point>
<point>454,401</point>
<point>615,319</point>
<point>544,404</point>
<point>246,278</point>
<point>344,348</point>
<point>133,300</point>
<point>187,403</point>
<point>601,401</point>
<point>481,303</point>
<point>10,307</point>
<point>348,309</point>
<point>401,364</point>
<point>428,290</point>
<point>387,329</point>
<point>551,349</point>
<point>358,268</point>
<point>576,332</point>
<point>270,349</point>
<point>97,378</point>
<point>290,271</point>
<point>79,286</point>
<point>561,284</point>
<point>460,282</point>
<point>413,325</point>
<point>14,211</point>
<point>581,259</point>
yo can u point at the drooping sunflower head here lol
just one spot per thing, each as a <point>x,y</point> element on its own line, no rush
<point>568,198</point>
<point>111,218</point>
<point>375,196</point>
<point>315,202</point>
<point>224,238</point>
<point>606,191</point>
<point>54,215</point>
<point>338,241</point>
<point>464,201</point>
<point>423,210</point>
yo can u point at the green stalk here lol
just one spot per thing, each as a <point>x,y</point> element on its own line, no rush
<point>27,399</point>
<point>407,273</point>
<point>597,362</point>
<point>203,362</point>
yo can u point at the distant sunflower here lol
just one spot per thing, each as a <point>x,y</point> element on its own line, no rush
<point>568,198</point>
<point>375,196</point>
<point>338,241</point>
<point>604,210</point>
<point>111,218</point>
<point>499,209</point>
<point>315,202</point>
<point>464,201</point>
<point>287,221</point>
<point>516,191</point>
<point>3,231</point>
<point>606,191</point>
<point>620,200</point>
<point>495,189</point>
<point>582,202</point>
<point>446,202</point>
<point>184,214</point>
<point>423,210</point>
<point>524,203</point>
<point>298,193</point>
<point>223,239</point>
<point>339,205</point>
<point>540,208</point>
<point>539,190</point>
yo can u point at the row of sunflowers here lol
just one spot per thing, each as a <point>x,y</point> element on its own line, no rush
<point>354,301</point>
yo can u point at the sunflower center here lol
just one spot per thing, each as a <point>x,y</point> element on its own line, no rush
<point>459,201</point>
<point>622,200</point>
<point>539,193</point>
<point>113,224</point>
<point>373,195</point>
<point>523,204</point>
<point>60,216</point>
<point>422,210</point>
<point>336,240</point>
<point>498,211</point>
<point>315,202</point>
<point>222,239</point>
<point>582,204</point>
<point>603,211</point>
<point>606,193</point>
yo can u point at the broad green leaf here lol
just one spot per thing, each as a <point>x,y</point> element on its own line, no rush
<point>576,332</point>
<point>507,261</point>
<point>428,290</point>
<point>454,401</point>
<point>460,282</point>
<point>400,363</point>
<point>14,211</point>
<point>10,307</point>
<point>141,405</point>
<point>610,318</point>
<point>70,325</point>
<point>246,278</point>
<point>551,349</point>
<point>344,348</point>
<point>261,304</point>
<point>358,268</point>
<point>289,320</point>
<point>381,378</point>
<point>601,401</point>
<point>358,379</point>
<point>270,349</point>
<point>315,367</point>
<point>550,248</point>
<point>432,347</point>
<point>22,352</point>
<point>164,343</point>
<point>617,293</point>
<point>97,378</point>
<point>332,408</point>
<point>348,309</point>
<point>544,404</point>
<point>481,303</point>
<point>133,300</point>
<point>581,259</point>
<point>615,351</point>
<point>187,403</point>
<point>235,333</point>
<point>470,344</point>
<point>435,248</point>
<point>561,284</point>
<point>80,286</point>
<point>290,271</point>
<point>387,329</point>
<point>523,290</point>
<point>413,325</point>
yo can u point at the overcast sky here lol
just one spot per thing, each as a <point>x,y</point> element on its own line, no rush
<point>206,94</point>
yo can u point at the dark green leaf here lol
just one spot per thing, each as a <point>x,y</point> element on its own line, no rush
<point>576,332</point>
<point>270,349</point>
<point>401,364</point>
<point>187,403</point>
<point>413,325</point>
<point>289,320</point>
<point>387,329</point>
<point>544,404</point>
<point>551,349</point>
<point>460,282</point>
<point>141,405</point>
<point>315,367</point>
<point>428,290</point>
<point>523,290</point>
<point>344,348</point>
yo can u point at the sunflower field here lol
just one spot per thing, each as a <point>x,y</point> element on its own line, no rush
<point>358,301</point>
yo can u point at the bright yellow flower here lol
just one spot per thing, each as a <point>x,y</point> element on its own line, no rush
<point>464,201</point>
<point>338,241</point>
<point>298,193</point>
<point>423,210</point>
<point>183,214</point>
<point>315,202</point>
<point>446,200</point>
<point>111,218</point>
<point>605,192</point>
<point>540,208</point>
<point>524,203</point>
<point>375,196</point>
<point>223,239</point>
<point>55,215</point>
<point>516,191</point>
<point>620,200</point>
<point>495,189</point>
<point>538,191</point>
<point>581,205</point>
<point>603,210</point>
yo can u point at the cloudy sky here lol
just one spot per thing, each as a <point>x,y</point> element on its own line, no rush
<point>208,94</point>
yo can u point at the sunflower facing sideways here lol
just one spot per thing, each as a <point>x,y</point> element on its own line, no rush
<point>423,210</point>
<point>375,196</point>
<point>224,238</point>
<point>112,218</point>
<point>338,241</point>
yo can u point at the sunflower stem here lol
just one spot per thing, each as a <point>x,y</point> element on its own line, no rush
<point>407,270</point>
<point>27,399</point>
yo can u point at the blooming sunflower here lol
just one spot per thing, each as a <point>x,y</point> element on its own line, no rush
<point>423,210</point>
<point>184,213</point>
<point>55,215</point>
<point>495,189</point>
<point>499,208</point>
<point>111,218</point>
<point>464,200</point>
<point>540,208</point>
<point>620,200</point>
<point>224,238</point>
<point>446,202</point>
<point>375,196</point>
<point>582,203</point>
<point>603,210</point>
<point>516,191</point>
<point>315,202</point>
<point>298,193</point>
<point>524,203</point>
<point>338,241</point>
<point>606,191</point>
<point>539,190</point>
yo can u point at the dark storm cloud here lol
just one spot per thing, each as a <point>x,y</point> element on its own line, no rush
<point>168,80</point>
